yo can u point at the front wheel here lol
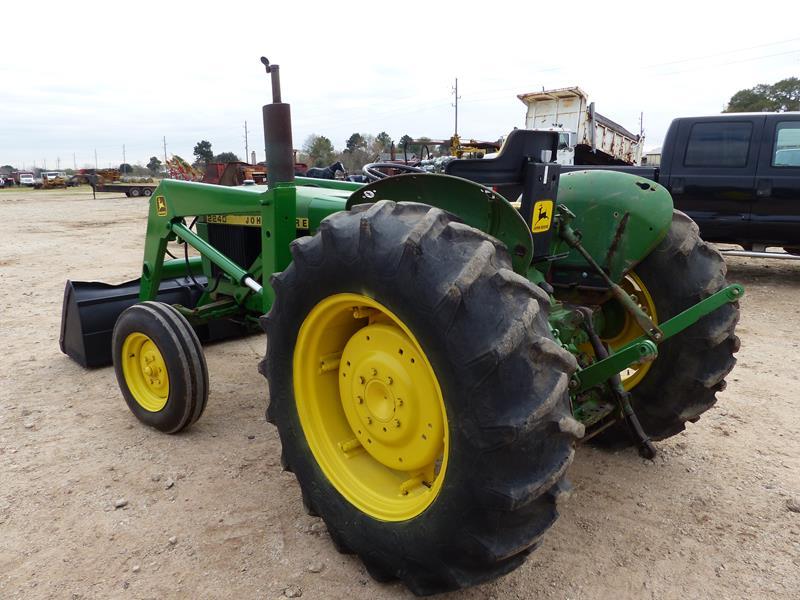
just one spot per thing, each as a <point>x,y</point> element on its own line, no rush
<point>160,366</point>
<point>420,398</point>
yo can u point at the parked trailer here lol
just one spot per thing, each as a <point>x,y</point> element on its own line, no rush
<point>587,137</point>
<point>132,190</point>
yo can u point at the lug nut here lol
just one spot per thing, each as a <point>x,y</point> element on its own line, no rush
<point>389,380</point>
<point>374,372</point>
<point>397,422</point>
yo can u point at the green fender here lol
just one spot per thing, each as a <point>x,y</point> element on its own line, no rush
<point>621,218</point>
<point>474,204</point>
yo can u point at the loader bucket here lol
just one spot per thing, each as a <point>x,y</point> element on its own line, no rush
<point>91,308</point>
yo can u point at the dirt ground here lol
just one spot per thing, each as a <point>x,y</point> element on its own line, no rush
<point>210,514</point>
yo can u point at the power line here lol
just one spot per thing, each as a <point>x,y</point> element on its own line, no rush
<point>246,147</point>
<point>455,104</point>
<point>683,60</point>
<point>733,62</point>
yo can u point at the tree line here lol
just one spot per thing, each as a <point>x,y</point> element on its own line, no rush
<point>360,149</point>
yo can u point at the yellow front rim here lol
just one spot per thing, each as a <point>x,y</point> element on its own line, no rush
<point>630,330</point>
<point>145,372</point>
<point>370,407</point>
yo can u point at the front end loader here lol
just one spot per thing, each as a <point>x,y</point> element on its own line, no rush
<point>435,350</point>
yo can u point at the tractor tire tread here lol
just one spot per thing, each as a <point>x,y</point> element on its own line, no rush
<point>691,367</point>
<point>485,329</point>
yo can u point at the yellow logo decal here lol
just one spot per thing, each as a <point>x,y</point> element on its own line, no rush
<point>161,206</point>
<point>542,216</point>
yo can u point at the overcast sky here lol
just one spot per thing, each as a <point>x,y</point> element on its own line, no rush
<point>80,76</point>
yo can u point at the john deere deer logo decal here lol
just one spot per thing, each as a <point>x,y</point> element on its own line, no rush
<point>542,216</point>
<point>161,206</point>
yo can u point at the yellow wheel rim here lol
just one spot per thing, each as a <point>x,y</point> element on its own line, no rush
<point>370,407</point>
<point>630,330</point>
<point>145,372</point>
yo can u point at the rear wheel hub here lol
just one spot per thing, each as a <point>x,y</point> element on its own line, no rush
<point>370,407</point>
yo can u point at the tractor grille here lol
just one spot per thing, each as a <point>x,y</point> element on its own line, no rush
<point>240,243</point>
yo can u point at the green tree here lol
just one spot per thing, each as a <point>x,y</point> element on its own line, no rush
<point>7,169</point>
<point>319,150</point>
<point>781,96</point>
<point>786,94</point>
<point>203,152</point>
<point>383,142</point>
<point>355,142</point>
<point>154,166</point>
<point>125,168</point>
<point>405,141</point>
<point>225,157</point>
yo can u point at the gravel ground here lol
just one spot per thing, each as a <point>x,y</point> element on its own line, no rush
<point>93,505</point>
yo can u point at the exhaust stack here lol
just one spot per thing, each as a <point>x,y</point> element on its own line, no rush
<point>277,132</point>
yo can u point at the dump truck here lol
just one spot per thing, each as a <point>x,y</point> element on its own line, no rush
<point>435,354</point>
<point>586,136</point>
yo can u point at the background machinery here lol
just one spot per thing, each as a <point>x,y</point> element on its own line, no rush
<point>434,352</point>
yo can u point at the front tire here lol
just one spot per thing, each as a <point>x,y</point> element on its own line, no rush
<point>409,272</point>
<point>160,366</point>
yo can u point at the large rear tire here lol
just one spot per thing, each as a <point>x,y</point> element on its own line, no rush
<point>499,391</point>
<point>691,367</point>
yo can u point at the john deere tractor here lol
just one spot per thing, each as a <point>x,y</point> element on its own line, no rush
<point>437,344</point>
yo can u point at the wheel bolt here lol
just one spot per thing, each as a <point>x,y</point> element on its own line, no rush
<point>369,420</point>
<point>374,372</point>
<point>397,422</point>
<point>362,380</point>
<point>360,399</point>
<point>389,380</point>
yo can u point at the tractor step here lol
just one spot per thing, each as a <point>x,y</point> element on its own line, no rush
<point>91,309</point>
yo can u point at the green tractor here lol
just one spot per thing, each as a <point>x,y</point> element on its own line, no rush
<point>435,352</point>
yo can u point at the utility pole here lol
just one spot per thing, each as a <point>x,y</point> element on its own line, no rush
<point>246,146</point>
<point>455,104</point>
<point>74,163</point>
<point>45,164</point>
<point>165,152</point>
<point>58,163</point>
<point>95,159</point>
<point>123,154</point>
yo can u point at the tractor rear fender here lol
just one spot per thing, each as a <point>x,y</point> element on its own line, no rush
<point>476,205</point>
<point>621,218</point>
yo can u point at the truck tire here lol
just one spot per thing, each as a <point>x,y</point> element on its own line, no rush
<point>160,366</point>
<point>147,192</point>
<point>135,192</point>
<point>419,396</point>
<point>682,383</point>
